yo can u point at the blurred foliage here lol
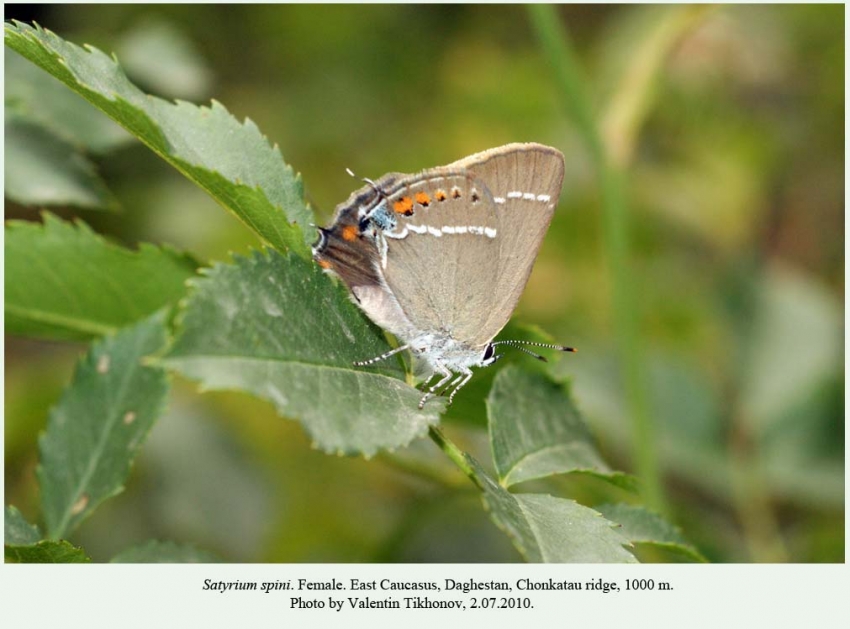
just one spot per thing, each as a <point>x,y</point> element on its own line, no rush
<point>736,191</point>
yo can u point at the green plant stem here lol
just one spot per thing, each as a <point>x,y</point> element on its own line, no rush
<point>455,454</point>
<point>555,45</point>
<point>422,470</point>
<point>556,48</point>
<point>616,220</point>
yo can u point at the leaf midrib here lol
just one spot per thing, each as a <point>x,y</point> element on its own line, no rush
<point>208,357</point>
<point>63,321</point>
<point>538,452</point>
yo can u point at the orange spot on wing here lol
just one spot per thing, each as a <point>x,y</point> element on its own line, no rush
<point>455,193</point>
<point>349,233</point>
<point>325,264</point>
<point>440,195</point>
<point>403,206</point>
<point>422,198</point>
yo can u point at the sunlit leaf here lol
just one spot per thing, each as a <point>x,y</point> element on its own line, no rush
<point>536,431</point>
<point>47,551</point>
<point>23,543</point>
<point>549,529</point>
<point>37,96</point>
<point>277,326</point>
<point>642,526</point>
<point>232,161</point>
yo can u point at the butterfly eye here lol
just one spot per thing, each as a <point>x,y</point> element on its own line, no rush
<point>489,351</point>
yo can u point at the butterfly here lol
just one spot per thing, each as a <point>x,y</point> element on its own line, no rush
<point>441,258</point>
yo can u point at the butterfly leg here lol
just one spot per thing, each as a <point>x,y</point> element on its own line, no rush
<point>467,374</point>
<point>384,356</point>
<point>428,379</point>
<point>430,393</point>
<point>451,384</point>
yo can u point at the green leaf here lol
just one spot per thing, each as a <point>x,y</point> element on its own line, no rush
<point>277,326</point>
<point>19,532</point>
<point>536,431</point>
<point>46,551</point>
<point>34,94</point>
<point>43,169</point>
<point>548,529</point>
<point>99,424</point>
<point>64,281</point>
<point>642,526</point>
<point>24,543</point>
<point>232,161</point>
<point>155,551</point>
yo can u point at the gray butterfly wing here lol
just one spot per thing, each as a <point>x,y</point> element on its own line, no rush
<point>525,181</point>
<point>459,262</point>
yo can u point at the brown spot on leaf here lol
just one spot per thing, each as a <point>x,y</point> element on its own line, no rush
<point>80,505</point>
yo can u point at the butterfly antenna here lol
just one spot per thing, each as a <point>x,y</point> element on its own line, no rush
<point>518,345</point>
<point>366,180</point>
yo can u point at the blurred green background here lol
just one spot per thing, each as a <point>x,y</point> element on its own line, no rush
<point>735,191</point>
